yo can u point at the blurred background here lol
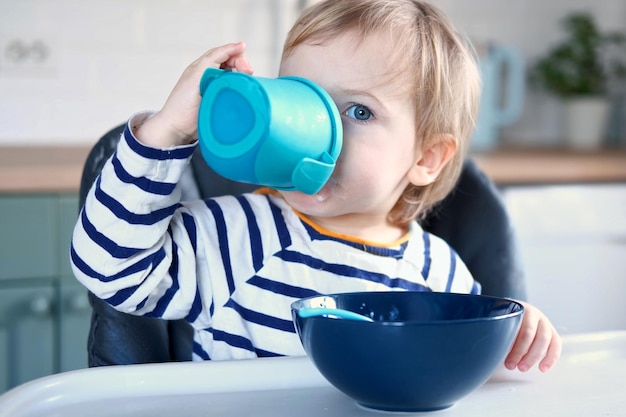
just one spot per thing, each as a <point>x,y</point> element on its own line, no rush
<point>71,69</point>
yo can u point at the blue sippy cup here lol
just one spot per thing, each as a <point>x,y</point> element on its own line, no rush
<point>284,133</point>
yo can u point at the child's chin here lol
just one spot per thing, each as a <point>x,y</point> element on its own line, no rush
<point>301,201</point>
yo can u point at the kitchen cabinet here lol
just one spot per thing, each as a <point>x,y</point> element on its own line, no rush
<point>572,240</point>
<point>27,330</point>
<point>74,313</point>
<point>28,237</point>
<point>44,312</point>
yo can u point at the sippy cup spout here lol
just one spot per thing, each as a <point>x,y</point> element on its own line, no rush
<point>310,175</point>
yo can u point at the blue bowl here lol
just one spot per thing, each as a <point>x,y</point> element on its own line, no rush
<point>424,351</point>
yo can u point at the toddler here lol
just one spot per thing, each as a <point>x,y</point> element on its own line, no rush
<point>406,86</point>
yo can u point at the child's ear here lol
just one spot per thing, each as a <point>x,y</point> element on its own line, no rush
<point>436,153</point>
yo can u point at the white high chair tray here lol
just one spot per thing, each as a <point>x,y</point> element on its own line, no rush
<point>588,381</point>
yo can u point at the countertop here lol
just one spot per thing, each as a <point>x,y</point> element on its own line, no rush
<point>59,168</point>
<point>553,166</point>
<point>41,168</point>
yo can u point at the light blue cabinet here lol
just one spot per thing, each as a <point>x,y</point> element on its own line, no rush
<point>74,314</point>
<point>27,333</point>
<point>44,312</point>
<point>28,246</point>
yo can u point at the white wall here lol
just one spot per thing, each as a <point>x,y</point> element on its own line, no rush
<point>108,59</point>
<point>111,58</point>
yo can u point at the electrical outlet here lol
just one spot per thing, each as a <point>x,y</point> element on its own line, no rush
<point>26,56</point>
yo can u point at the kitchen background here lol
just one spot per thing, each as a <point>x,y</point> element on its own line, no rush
<point>72,69</point>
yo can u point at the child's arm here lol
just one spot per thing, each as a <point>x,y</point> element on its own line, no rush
<point>537,341</point>
<point>134,244</point>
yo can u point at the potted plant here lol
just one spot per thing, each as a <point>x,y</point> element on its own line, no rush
<point>582,70</point>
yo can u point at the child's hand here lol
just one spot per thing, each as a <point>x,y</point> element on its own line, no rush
<point>537,340</point>
<point>177,122</point>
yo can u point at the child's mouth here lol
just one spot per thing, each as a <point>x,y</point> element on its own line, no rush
<point>322,195</point>
<point>329,190</point>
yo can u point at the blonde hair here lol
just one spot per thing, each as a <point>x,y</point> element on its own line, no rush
<point>441,68</point>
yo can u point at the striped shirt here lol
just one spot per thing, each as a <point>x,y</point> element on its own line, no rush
<point>231,266</point>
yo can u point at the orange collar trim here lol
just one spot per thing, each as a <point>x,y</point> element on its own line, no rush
<point>341,236</point>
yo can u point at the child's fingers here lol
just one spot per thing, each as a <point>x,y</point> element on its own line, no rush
<point>230,56</point>
<point>538,347</point>
<point>524,339</point>
<point>537,341</point>
<point>238,63</point>
<point>553,354</point>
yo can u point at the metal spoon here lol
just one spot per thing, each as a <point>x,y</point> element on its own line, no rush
<point>333,312</point>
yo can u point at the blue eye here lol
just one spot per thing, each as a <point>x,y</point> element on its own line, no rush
<point>359,112</point>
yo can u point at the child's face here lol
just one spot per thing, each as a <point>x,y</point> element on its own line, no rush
<point>378,118</point>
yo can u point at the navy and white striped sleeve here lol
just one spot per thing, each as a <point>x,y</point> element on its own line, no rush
<point>131,237</point>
